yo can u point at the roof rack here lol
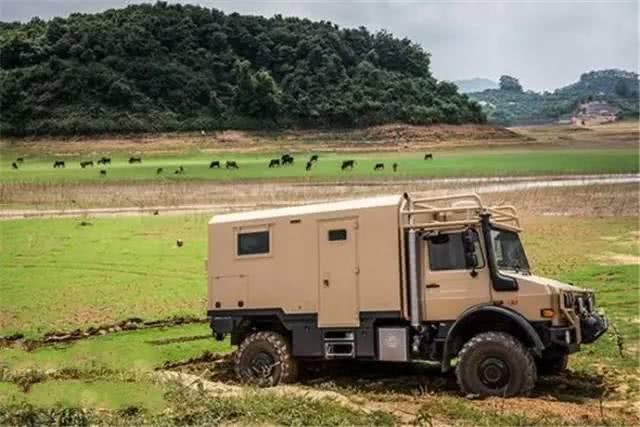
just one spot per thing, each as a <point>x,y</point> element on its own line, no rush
<point>453,210</point>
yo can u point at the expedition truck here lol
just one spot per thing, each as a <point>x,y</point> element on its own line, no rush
<point>400,278</point>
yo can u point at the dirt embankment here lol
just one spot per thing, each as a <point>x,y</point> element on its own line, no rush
<point>384,138</point>
<point>391,137</point>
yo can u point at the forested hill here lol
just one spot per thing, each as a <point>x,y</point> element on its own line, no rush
<point>172,67</point>
<point>512,105</point>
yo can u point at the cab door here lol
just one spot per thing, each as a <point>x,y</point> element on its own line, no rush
<point>338,281</point>
<point>449,287</point>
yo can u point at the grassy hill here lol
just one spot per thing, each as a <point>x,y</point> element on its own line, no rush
<point>509,106</point>
<point>175,67</point>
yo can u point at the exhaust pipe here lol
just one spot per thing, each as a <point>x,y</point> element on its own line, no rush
<point>414,310</point>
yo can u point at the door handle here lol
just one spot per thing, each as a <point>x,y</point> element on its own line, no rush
<point>325,283</point>
<point>432,286</point>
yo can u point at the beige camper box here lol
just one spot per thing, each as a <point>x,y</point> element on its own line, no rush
<point>335,260</point>
<point>394,278</point>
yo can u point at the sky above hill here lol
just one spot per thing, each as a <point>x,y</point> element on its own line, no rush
<point>545,43</point>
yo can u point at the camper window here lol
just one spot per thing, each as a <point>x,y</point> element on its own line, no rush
<point>253,243</point>
<point>337,235</point>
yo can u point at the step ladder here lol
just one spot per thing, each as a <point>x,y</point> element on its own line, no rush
<point>339,344</point>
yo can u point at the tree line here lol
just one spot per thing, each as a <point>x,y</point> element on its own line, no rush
<point>179,67</point>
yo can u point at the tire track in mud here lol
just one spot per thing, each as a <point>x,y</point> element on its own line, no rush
<point>131,324</point>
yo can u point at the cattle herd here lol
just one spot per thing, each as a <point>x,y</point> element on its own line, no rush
<point>284,160</point>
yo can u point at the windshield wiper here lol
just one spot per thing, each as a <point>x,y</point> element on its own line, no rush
<point>518,269</point>
<point>515,267</point>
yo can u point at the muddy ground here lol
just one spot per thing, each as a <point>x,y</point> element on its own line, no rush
<point>403,389</point>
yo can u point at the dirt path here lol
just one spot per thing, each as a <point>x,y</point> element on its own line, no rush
<point>405,412</point>
<point>313,192</point>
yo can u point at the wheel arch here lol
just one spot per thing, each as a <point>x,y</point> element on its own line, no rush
<point>487,318</point>
<point>250,324</point>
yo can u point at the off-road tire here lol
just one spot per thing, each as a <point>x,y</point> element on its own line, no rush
<point>495,354</point>
<point>270,346</point>
<point>552,365</point>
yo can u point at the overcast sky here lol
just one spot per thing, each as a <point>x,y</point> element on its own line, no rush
<point>545,43</point>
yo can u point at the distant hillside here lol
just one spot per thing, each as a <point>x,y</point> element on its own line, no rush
<point>175,67</point>
<point>475,85</point>
<point>612,90</point>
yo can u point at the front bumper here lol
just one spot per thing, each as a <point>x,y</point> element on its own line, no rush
<point>592,326</point>
<point>580,310</point>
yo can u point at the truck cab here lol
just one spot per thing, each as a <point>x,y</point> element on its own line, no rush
<point>401,278</point>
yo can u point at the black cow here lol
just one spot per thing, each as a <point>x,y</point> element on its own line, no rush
<point>395,167</point>
<point>309,165</point>
<point>179,171</point>
<point>286,160</point>
<point>378,167</point>
<point>214,164</point>
<point>135,160</point>
<point>314,158</point>
<point>104,161</point>
<point>274,163</point>
<point>14,165</point>
<point>159,171</point>
<point>87,163</point>
<point>347,164</point>
<point>20,160</point>
<point>58,164</point>
<point>103,172</point>
<point>428,156</point>
<point>231,164</point>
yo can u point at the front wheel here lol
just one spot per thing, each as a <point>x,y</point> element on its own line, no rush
<point>264,359</point>
<point>495,364</point>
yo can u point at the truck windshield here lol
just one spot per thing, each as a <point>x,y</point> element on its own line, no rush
<point>508,250</point>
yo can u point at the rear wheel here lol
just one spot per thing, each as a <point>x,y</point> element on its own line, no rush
<point>552,364</point>
<point>264,359</point>
<point>495,364</point>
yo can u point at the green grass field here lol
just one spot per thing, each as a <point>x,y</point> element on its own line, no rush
<point>60,275</point>
<point>254,167</point>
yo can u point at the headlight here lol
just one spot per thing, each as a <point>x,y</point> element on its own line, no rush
<point>591,303</point>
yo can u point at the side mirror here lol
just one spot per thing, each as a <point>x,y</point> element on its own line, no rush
<point>471,261</point>
<point>469,238</point>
